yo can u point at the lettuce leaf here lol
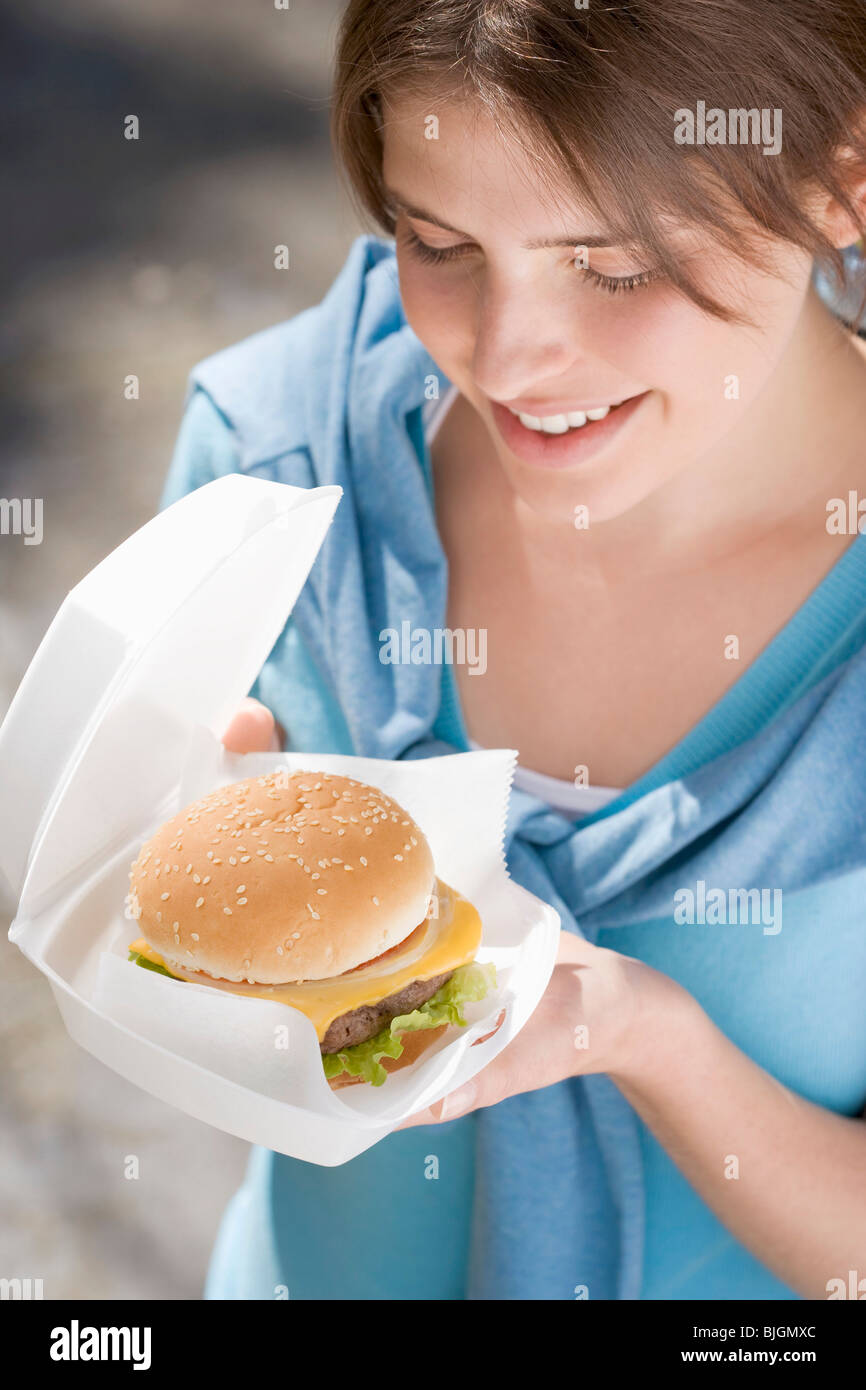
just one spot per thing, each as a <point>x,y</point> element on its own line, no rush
<point>468,983</point>
<point>150,965</point>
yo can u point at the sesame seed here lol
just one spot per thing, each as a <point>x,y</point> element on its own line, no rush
<point>189,868</point>
<point>227,911</point>
<point>269,858</point>
<point>159,917</point>
<point>321,891</point>
<point>279,950</point>
<point>348,866</point>
<point>206,878</point>
<point>399,856</point>
<point>317,875</point>
<point>240,902</point>
<point>163,896</point>
<point>363,861</point>
<point>195,936</point>
<point>368,830</point>
<point>199,902</point>
<point>376,901</point>
<point>232,859</point>
<point>241,888</point>
<point>196,878</point>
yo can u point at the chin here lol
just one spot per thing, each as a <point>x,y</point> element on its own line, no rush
<point>570,500</point>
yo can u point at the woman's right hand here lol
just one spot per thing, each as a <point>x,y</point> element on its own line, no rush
<point>253,729</point>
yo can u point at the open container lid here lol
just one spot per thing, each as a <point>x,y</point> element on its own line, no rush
<point>167,633</point>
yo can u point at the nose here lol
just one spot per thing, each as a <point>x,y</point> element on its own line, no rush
<point>526,334</point>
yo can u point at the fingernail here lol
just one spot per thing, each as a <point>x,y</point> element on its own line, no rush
<point>459,1101</point>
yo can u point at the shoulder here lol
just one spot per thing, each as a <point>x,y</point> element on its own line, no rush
<point>265,386</point>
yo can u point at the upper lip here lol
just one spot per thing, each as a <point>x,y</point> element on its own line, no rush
<point>541,409</point>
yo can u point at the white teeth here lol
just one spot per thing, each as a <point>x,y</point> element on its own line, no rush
<point>559,424</point>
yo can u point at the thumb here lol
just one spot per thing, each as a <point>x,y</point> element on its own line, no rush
<point>252,729</point>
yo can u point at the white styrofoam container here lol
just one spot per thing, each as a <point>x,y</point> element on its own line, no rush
<point>140,672</point>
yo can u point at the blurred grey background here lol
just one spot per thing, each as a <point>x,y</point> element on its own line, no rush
<point>131,257</point>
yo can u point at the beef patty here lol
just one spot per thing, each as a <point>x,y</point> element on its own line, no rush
<point>370,1019</point>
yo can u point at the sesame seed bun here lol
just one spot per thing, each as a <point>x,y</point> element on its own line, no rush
<point>282,878</point>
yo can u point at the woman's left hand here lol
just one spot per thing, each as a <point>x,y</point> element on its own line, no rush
<point>599,1013</point>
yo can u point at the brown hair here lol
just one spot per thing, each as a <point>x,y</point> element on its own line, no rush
<point>592,93</point>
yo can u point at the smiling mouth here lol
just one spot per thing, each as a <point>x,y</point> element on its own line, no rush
<point>566,440</point>
<point>562,424</point>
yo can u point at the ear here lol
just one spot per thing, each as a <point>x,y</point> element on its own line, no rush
<point>841,228</point>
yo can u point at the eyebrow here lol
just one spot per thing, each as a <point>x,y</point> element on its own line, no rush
<point>604,239</point>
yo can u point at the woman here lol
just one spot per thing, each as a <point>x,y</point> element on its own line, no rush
<point>593,407</point>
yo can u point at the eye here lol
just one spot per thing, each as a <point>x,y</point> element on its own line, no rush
<point>610,284</point>
<point>616,284</point>
<point>431,254</point>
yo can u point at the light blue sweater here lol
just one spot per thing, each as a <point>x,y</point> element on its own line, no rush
<point>562,1189</point>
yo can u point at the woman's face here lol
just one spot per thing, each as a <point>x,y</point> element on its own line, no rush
<point>520,327</point>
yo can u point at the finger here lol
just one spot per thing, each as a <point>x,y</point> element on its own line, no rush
<point>252,729</point>
<point>451,1107</point>
<point>575,950</point>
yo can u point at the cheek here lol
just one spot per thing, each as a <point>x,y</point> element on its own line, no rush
<point>438,306</point>
<point>657,339</point>
<point>705,371</point>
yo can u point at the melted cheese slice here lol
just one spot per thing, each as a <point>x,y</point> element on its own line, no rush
<point>446,942</point>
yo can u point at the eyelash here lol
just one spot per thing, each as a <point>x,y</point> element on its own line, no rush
<point>611,284</point>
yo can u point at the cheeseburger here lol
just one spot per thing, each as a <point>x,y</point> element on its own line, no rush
<point>319,892</point>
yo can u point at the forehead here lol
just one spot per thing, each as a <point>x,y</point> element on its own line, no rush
<point>450,156</point>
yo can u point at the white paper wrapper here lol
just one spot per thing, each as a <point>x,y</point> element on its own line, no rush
<point>253,1067</point>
